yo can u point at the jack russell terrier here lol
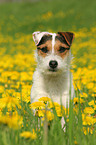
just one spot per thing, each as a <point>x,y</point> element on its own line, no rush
<point>52,77</point>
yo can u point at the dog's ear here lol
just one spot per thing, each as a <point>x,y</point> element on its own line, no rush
<point>67,36</point>
<point>37,36</point>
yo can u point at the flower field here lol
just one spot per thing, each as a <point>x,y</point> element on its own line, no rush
<point>18,124</point>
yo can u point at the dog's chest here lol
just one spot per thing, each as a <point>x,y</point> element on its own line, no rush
<point>55,86</point>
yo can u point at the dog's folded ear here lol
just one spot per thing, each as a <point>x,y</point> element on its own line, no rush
<point>37,36</point>
<point>67,36</point>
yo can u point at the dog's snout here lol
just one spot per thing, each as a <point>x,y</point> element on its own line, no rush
<point>53,64</point>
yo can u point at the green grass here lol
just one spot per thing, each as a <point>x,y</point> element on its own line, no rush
<point>24,18</point>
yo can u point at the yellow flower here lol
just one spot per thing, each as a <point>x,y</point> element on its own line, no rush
<point>45,113</point>
<point>28,134</point>
<point>87,120</point>
<point>44,99</point>
<point>13,121</point>
<point>10,91</point>
<point>15,75</point>
<point>37,105</point>
<point>1,89</point>
<point>90,85</point>
<point>93,95</point>
<point>53,104</point>
<point>84,95</point>
<point>9,102</point>
<point>16,95</point>
<point>25,76</point>
<point>88,110</point>
<point>76,100</point>
<point>60,111</point>
<point>40,113</point>
<point>91,103</point>
<point>87,130</point>
<point>3,119</point>
<point>95,119</point>
<point>94,107</point>
<point>48,114</point>
<point>25,97</point>
<point>75,142</point>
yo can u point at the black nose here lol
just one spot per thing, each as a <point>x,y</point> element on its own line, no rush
<point>53,64</point>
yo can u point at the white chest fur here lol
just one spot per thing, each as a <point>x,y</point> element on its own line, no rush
<point>55,87</point>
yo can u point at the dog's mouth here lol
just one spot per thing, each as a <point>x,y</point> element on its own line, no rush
<point>52,70</point>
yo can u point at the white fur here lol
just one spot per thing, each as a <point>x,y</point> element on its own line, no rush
<point>55,85</point>
<point>38,35</point>
<point>53,41</point>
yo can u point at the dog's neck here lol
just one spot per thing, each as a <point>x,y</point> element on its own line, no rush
<point>59,76</point>
<point>62,79</point>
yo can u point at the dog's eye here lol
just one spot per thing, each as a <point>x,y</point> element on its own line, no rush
<point>44,49</point>
<point>62,49</point>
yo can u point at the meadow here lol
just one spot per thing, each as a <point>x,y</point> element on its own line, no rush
<point>18,125</point>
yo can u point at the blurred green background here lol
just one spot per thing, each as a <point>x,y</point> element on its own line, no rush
<point>32,16</point>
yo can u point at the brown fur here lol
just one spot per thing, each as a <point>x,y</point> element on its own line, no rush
<point>48,44</point>
<point>57,46</point>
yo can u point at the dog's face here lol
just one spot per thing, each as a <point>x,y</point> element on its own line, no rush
<point>53,51</point>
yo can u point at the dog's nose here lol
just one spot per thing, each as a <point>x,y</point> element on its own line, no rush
<point>53,64</point>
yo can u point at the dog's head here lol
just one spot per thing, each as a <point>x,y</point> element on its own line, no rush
<point>53,51</point>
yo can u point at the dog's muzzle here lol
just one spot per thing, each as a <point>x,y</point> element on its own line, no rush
<point>53,65</point>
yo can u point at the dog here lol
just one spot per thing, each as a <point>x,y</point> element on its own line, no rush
<point>52,77</point>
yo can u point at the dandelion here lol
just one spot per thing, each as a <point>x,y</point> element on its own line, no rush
<point>87,130</point>
<point>27,134</point>
<point>3,119</point>
<point>48,114</point>
<point>76,100</point>
<point>88,110</point>
<point>59,111</point>
<point>91,103</point>
<point>94,107</point>
<point>1,89</point>
<point>13,121</point>
<point>88,120</point>
<point>45,99</point>
<point>40,113</point>
<point>9,102</point>
<point>84,95</point>
<point>90,85</point>
<point>53,104</point>
<point>37,105</point>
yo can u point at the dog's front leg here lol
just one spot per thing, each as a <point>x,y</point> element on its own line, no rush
<point>37,93</point>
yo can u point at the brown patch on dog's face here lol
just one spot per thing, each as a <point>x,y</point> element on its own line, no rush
<point>61,48</point>
<point>63,41</point>
<point>45,48</point>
